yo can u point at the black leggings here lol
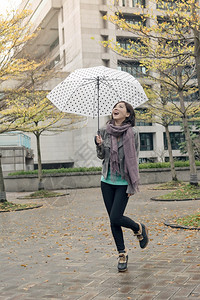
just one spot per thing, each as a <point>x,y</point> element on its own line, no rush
<point>116,199</point>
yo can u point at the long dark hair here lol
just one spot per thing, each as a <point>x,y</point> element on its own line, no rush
<point>130,110</point>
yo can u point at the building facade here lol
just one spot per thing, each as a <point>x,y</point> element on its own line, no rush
<point>70,35</point>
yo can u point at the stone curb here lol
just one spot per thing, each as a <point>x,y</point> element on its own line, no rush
<point>167,200</point>
<point>171,224</point>
<point>20,209</point>
<point>41,198</point>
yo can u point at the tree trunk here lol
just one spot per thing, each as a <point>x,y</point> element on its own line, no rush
<point>2,186</point>
<point>196,33</point>
<point>40,183</point>
<point>171,159</point>
<point>190,150</point>
<point>197,61</point>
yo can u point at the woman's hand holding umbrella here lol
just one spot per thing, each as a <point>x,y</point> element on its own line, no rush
<point>99,140</point>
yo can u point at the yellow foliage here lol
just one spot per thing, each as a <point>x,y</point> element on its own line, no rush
<point>167,48</point>
<point>14,33</point>
<point>31,111</point>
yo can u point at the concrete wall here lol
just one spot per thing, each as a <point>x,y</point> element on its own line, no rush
<point>16,159</point>
<point>86,180</point>
<point>76,145</point>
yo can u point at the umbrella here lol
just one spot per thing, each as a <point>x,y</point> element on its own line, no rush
<point>94,91</point>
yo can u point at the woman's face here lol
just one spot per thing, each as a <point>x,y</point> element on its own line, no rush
<point>119,113</point>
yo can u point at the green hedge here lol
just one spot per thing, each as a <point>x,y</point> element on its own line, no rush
<point>61,170</point>
<point>92,169</point>
<point>166,164</point>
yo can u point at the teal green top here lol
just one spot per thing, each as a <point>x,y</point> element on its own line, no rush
<point>118,179</point>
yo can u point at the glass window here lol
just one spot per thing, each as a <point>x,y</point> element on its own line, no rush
<point>144,160</point>
<point>143,123</point>
<point>54,62</point>
<point>146,141</point>
<point>134,68</point>
<point>191,96</point>
<point>177,158</point>
<point>140,122</point>
<point>165,5</point>
<point>54,44</point>
<point>136,3</point>
<point>176,138</point>
<point>131,44</point>
<point>128,44</point>
<point>176,123</point>
<point>133,19</point>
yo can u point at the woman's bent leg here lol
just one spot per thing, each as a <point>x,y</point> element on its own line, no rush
<point>116,199</point>
<point>117,218</point>
<point>108,192</point>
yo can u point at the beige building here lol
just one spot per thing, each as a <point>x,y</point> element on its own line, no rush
<point>70,35</point>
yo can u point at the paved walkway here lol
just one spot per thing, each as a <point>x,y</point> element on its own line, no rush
<point>65,250</point>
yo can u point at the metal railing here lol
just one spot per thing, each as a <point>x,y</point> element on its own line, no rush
<point>15,139</point>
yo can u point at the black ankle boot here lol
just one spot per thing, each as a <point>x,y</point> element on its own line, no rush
<point>122,262</point>
<point>142,235</point>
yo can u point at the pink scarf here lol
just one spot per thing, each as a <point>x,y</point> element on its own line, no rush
<point>131,172</point>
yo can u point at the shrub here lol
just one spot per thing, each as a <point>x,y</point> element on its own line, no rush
<point>96,169</point>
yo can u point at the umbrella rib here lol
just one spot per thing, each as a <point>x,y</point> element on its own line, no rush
<point>82,85</point>
<point>110,86</point>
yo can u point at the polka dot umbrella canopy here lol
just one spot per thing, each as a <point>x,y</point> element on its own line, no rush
<point>94,91</point>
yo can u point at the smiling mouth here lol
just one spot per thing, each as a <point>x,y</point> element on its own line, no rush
<point>116,113</point>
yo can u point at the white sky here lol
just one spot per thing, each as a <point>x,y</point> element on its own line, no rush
<point>8,4</point>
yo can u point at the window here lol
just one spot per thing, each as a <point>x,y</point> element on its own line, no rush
<point>133,19</point>
<point>144,160</point>
<point>146,141</point>
<point>176,138</point>
<point>54,62</point>
<point>128,44</point>
<point>136,3</point>
<point>171,25</point>
<point>165,5</point>
<point>176,123</point>
<point>165,24</point>
<point>172,47</point>
<point>190,71</point>
<point>142,122</point>
<point>54,44</point>
<point>189,96</point>
<point>133,68</point>
<point>134,44</point>
<point>177,158</point>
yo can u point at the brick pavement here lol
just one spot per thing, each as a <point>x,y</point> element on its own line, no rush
<point>65,250</point>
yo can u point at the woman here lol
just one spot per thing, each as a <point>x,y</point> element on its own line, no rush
<point>118,146</point>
